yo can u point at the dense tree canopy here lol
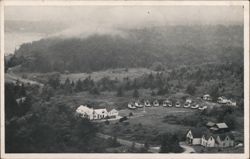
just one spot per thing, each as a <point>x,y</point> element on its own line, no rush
<point>159,48</point>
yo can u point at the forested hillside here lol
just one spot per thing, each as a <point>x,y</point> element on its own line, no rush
<point>170,45</point>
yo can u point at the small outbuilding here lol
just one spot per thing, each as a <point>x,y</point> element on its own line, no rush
<point>219,127</point>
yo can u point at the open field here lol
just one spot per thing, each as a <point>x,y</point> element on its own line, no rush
<point>113,74</point>
<point>148,125</point>
<point>153,117</point>
<point>13,78</point>
<point>110,99</point>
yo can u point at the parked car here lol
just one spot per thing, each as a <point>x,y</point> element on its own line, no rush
<point>147,103</point>
<point>195,106</point>
<point>131,106</point>
<point>177,104</point>
<point>203,107</point>
<point>187,105</point>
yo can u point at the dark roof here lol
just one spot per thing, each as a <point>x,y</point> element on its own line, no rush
<point>197,133</point>
<point>207,135</point>
<point>214,128</point>
<point>210,124</point>
<point>223,136</point>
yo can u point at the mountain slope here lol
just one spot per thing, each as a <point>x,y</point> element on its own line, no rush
<point>171,45</point>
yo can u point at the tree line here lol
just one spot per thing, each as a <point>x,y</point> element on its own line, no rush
<point>36,126</point>
<point>138,49</point>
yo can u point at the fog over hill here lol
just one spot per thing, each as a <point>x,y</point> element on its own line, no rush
<point>26,24</point>
<point>170,45</point>
<point>81,38</point>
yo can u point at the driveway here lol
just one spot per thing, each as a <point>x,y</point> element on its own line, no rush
<point>129,143</point>
<point>187,148</point>
<point>155,149</point>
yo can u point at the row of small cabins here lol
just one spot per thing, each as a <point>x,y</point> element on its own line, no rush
<point>96,114</point>
<point>167,102</point>
<point>220,100</point>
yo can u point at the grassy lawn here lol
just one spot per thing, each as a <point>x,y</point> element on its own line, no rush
<point>142,126</point>
<point>113,74</point>
<point>148,125</point>
<point>153,117</point>
<point>201,149</point>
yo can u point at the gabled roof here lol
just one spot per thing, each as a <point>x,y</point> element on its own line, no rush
<point>113,110</point>
<point>22,99</point>
<point>196,133</point>
<point>222,125</point>
<point>208,135</point>
<point>100,111</point>
<point>206,95</point>
<point>166,100</point>
<point>214,128</point>
<point>81,107</point>
<point>210,124</point>
<point>223,136</point>
<point>84,109</point>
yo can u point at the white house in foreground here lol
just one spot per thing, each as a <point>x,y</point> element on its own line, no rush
<point>195,137</point>
<point>96,114</point>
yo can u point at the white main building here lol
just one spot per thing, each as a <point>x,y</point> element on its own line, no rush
<point>96,114</point>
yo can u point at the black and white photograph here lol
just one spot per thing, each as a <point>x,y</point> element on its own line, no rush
<point>125,78</point>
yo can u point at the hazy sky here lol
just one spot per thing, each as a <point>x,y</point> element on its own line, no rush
<point>129,15</point>
<point>108,19</point>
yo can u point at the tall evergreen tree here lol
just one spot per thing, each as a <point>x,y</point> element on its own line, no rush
<point>136,93</point>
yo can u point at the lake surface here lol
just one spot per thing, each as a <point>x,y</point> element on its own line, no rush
<point>13,40</point>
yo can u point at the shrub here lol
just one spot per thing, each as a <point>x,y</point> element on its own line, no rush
<point>107,122</point>
<point>112,142</point>
<point>170,143</point>
<point>123,119</point>
<point>131,114</point>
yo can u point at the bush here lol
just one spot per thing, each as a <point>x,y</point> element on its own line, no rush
<point>107,122</point>
<point>158,66</point>
<point>136,93</point>
<point>230,120</point>
<point>112,142</point>
<point>126,123</point>
<point>123,119</point>
<point>170,143</point>
<point>130,114</point>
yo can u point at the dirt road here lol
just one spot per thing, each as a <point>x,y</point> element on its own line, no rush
<point>187,148</point>
<point>129,143</point>
<point>155,149</point>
